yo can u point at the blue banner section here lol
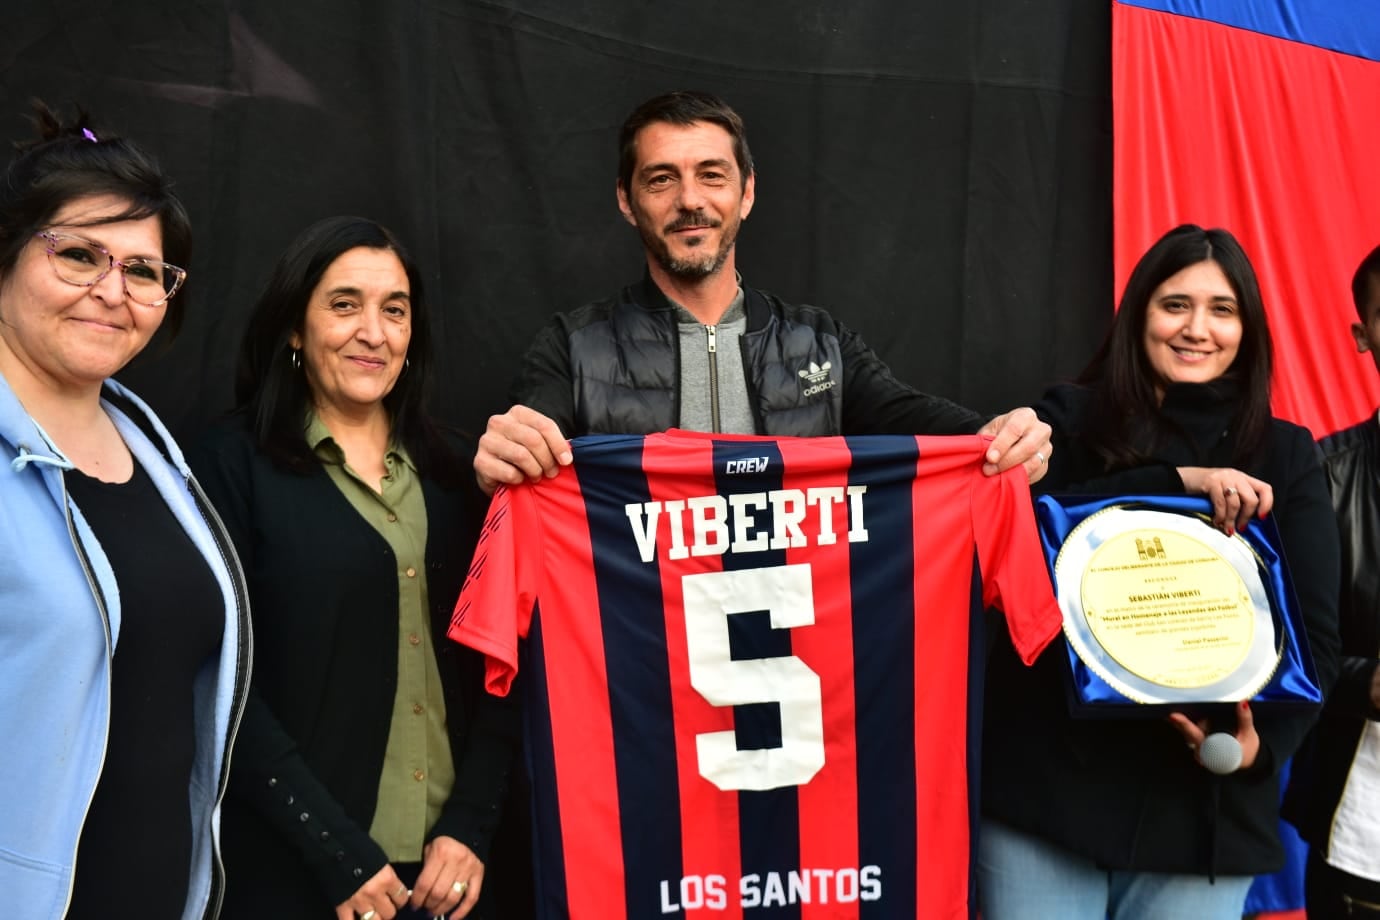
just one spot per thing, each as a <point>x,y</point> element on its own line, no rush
<point>1347,26</point>
<point>1294,682</point>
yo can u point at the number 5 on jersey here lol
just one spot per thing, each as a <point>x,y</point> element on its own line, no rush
<point>787,594</point>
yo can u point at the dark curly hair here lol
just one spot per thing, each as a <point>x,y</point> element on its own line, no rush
<point>71,160</point>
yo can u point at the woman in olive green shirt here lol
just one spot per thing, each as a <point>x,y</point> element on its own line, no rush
<point>371,763</point>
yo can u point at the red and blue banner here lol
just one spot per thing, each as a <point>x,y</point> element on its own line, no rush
<point>1260,116</point>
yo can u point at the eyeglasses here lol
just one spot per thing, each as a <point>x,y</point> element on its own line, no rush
<point>84,263</point>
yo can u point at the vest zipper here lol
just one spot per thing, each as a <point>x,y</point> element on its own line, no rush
<point>710,332</point>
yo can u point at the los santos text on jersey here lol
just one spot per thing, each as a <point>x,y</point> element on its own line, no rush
<point>773,889</point>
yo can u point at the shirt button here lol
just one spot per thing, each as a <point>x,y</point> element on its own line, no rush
<point>418,775</point>
<point>392,518</point>
<point>418,708</point>
<point>414,639</point>
<point>303,817</point>
<point>411,572</point>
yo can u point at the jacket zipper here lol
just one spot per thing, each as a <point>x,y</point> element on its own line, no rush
<point>711,332</point>
<point>244,657</point>
<point>109,658</point>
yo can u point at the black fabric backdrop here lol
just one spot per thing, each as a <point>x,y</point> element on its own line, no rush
<point>937,174</point>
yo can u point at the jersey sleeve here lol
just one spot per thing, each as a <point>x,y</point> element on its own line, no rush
<point>1014,577</point>
<point>494,609</point>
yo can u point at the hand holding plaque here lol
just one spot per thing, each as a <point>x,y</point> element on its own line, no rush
<point>1166,608</point>
<point>1162,608</point>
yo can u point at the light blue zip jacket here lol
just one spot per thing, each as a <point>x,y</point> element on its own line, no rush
<point>59,622</point>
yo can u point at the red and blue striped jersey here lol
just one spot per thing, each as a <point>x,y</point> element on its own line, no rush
<point>752,668</point>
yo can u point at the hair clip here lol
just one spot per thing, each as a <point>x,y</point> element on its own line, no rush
<point>89,135</point>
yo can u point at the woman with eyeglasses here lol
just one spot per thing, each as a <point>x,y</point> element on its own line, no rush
<point>124,637</point>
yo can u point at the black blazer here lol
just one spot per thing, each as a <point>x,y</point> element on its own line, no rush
<point>323,596</point>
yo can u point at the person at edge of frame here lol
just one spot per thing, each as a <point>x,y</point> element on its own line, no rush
<point>1334,791</point>
<point>124,626</point>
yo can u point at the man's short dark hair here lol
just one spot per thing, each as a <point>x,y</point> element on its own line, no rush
<point>683,107</point>
<point>1360,282</point>
<point>68,161</point>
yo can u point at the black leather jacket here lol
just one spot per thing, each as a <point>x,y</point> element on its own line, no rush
<point>1352,463</point>
<point>613,367</point>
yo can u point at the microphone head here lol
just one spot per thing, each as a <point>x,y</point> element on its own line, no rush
<point>1220,753</point>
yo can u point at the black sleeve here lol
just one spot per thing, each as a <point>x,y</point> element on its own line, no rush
<point>877,403</point>
<point>1075,468</point>
<point>270,775</point>
<point>544,381</point>
<point>1350,475</point>
<point>1308,528</point>
<point>1351,694</point>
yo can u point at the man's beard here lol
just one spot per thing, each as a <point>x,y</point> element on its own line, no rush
<point>699,265</point>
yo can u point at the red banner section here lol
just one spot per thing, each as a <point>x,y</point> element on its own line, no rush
<point>1275,140</point>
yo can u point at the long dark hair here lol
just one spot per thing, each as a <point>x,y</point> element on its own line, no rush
<point>1121,374</point>
<point>275,395</point>
<point>73,160</point>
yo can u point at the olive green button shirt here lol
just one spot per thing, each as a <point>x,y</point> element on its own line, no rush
<point>418,773</point>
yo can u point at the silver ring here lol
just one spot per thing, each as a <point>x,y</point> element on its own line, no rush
<point>401,892</point>
<point>368,915</point>
<point>1229,491</point>
<point>459,887</point>
<point>1041,457</point>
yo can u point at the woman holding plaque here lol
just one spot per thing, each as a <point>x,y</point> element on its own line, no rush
<point>1119,817</point>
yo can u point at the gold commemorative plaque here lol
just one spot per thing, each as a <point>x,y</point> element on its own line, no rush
<point>1165,608</point>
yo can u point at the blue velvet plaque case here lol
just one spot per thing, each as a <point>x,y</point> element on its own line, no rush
<point>1294,682</point>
